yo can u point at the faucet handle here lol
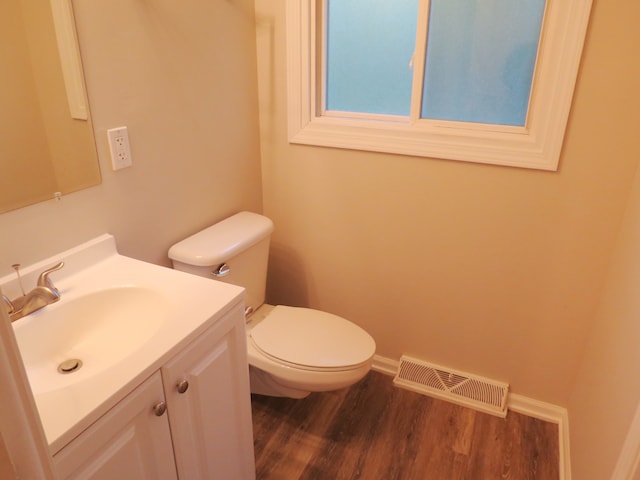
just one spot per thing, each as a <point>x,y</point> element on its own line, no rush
<point>45,281</point>
<point>10,306</point>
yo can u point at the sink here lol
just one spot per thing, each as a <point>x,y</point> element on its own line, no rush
<point>121,317</point>
<point>99,329</point>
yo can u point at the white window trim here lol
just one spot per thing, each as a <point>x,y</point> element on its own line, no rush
<point>537,145</point>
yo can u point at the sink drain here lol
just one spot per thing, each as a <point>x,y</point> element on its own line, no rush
<point>70,366</point>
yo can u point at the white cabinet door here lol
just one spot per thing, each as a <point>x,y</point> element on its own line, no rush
<point>211,420</point>
<point>130,442</point>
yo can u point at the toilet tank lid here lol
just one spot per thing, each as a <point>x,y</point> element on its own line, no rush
<point>222,241</point>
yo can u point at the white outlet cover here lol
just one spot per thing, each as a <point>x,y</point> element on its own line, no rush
<point>119,147</point>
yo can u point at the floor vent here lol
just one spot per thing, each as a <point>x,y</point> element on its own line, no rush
<point>462,388</point>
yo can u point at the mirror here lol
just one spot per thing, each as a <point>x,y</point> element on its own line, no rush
<point>43,148</point>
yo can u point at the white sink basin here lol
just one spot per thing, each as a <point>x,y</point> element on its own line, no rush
<point>100,329</point>
<point>123,318</point>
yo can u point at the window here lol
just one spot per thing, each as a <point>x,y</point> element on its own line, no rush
<point>487,81</point>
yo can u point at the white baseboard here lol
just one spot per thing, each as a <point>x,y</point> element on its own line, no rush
<point>385,365</point>
<point>517,403</point>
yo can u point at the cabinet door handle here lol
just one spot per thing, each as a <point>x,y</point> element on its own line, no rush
<point>182,386</point>
<point>159,408</point>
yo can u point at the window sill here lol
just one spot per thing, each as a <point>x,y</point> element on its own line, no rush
<point>489,144</point>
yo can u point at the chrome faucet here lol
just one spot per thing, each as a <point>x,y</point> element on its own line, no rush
<point>42,295</point>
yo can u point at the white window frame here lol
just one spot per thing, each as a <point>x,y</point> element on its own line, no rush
<point>537,145</point>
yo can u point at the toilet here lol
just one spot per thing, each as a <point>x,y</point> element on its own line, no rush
<point>292,351</point>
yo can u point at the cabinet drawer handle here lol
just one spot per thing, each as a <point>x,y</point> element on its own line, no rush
<point>159,408</point>
<point>182,386</point>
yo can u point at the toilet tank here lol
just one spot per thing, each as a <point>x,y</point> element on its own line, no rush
<point>241,242</point>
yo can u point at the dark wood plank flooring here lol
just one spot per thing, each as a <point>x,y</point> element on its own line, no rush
<point>375,431</point>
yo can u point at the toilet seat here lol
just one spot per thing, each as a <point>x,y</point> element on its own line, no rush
<point>312,340</point>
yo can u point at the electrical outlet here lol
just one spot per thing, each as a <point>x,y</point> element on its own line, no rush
<point>119,146</point>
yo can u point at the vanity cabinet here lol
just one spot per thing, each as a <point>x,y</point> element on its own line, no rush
<point>208,395</point>
<point>205,432</point>
<point>129,442</point>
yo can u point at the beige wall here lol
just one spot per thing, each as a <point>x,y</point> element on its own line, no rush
<point>182,77</point>
<point>491,270</point>
<point>607,389</point>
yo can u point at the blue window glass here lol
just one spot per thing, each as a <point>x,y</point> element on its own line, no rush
<point>369,45</point>
<point>480,60</point>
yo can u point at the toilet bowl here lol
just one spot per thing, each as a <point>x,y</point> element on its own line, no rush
<point>291,351</point>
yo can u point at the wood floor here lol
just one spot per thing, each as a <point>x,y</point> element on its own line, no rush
<point>375,431</point>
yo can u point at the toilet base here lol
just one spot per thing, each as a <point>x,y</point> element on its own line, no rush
<point>263,384</point>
